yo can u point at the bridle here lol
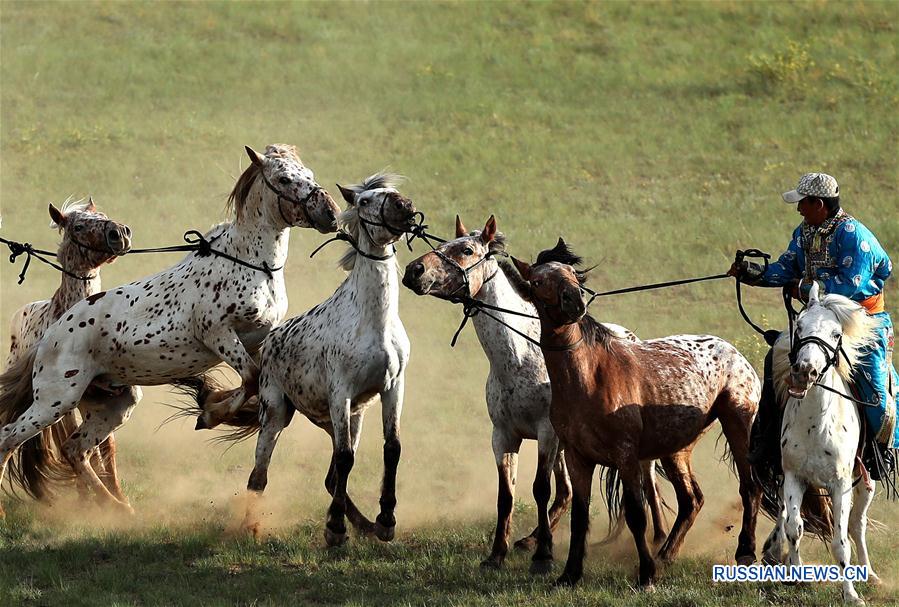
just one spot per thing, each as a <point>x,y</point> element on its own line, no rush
<point>301,202</point>
<point>464,273</point>
<point>363,222</point>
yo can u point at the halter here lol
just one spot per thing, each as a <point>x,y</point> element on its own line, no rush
<point>302,202</point>
<point>466,283</point>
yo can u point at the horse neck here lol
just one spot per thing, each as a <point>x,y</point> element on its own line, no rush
<point>254,236</point>
<point>375,284</point>
<point>72,290</point>
<point>584,364</point>
<point>500,343</point>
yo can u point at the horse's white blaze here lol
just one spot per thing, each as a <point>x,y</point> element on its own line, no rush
<point>820,432</point>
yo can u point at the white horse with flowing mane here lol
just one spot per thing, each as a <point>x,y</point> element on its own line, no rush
<point>89,240</point>
<point>518,391</point>
<point>172,326</point>
<point>821,429</point>
<point>331,362</point>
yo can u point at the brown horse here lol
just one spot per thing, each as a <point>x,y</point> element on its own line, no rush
<point>617,403</point>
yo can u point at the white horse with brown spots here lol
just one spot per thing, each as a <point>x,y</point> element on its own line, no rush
<point>334,361</point>
<point>821,429</point>
<point>177,324</point>
<point>518,392</point>
<point>89,240</point>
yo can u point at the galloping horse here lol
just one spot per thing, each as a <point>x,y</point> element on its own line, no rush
<point>89,240</point>
<point>616,402</point>
<point>518,390</point>
<point>331,362</point>
<point>821,428</point>
<point>216,305</point>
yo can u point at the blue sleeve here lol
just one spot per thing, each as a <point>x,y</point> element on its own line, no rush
<point>856,263</point>
<point>786,268</point>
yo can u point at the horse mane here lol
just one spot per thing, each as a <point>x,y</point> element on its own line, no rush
<point>519,284</point>
<point>859,331</point>
<point>348,220</point>
<point>70,205</point>
<point>238,197</point>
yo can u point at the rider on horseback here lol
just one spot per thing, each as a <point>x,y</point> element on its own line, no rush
<point>835,250</point>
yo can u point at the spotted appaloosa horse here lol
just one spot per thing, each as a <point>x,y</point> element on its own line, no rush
<point>331,362</point>
<point>518,390</point>
<point>821,429</point>
<point>89,240</point>
<point>173,325</point>
<point>616,402</point>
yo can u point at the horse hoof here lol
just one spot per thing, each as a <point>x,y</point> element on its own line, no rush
<point>746,560</point>
<point>385,534</point>
<point>566,580</point>
<point>767,559</point>
<point>333,539</point>
<point>541,567</point>
<point>491,563</point>
<point>526,544</point>
<point>874,579</point>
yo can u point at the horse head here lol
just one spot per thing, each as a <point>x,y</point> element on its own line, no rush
<point>554,285</point>
<point>90,238</point>
<point>827,336</point>
<point>290,196</point>
<point>377,210</point>
<point>460,267</point>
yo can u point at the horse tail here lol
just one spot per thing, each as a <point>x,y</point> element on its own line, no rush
<point>39,462</point>
<point>198,389</point>
<point>36,463</point>
<point>612,494</point>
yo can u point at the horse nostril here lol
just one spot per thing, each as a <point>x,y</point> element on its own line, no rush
<point>813,373</point>
<point>418,269</point>
<point>113,235</point>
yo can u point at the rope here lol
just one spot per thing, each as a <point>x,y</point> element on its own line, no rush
<point>24,248</point>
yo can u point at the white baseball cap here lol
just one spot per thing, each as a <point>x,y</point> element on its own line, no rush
<point>819,185</point>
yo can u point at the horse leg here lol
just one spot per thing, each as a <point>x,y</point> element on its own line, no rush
<point>50,399</point>
<point>677,467</point>
<point>651,491</point>
<point>107,450</point>
<point>547,451</point>
<point>635,516</point>
<point>391,410</point>
<point>353,514</point>
<point>793,490</point>
<point>559,507</point>
<point>505,451</point>
<point>736,423</point>
<point>773,550</point>
<point>581,471</point>
<point>344,457</point>
<point>863,494</point>
<point>840,491</point>
<point>275,414</point>
<point>100,420</point>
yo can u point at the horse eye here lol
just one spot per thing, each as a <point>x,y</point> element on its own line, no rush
<point>364,202</point>
<point>836,335</point>
<point>285,180</point>
<point>78,228</point>
<point>468,251</point>
<point>536,283</point>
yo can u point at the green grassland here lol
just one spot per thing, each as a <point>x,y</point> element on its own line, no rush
<point>655,137</point>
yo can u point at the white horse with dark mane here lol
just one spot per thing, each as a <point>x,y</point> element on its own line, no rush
<point>518,390</point>
<point>821,429</point>
<point>334,361</point>
<point>216,305</point>
<point>89,240</point>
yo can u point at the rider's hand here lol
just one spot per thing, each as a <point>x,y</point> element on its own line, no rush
<point>737,268</point>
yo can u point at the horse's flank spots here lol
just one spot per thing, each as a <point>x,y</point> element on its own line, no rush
<point>71,373</point>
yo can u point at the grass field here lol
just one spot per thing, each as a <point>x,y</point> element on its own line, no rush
<point>656,137</point>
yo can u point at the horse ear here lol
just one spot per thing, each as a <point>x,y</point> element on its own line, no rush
<point>348,194</point>
<point>91,207</point>
<point>56,215</point>
<point>255,158</point>
<point>461,230</point>
<point>489,231</point>
<point>813,294</point>
<point>523,268</point>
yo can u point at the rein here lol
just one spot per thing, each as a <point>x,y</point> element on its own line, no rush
<point>345,237</point>
<point>25,248</point>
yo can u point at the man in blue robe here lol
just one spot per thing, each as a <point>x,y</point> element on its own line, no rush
<point>838,252</point>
